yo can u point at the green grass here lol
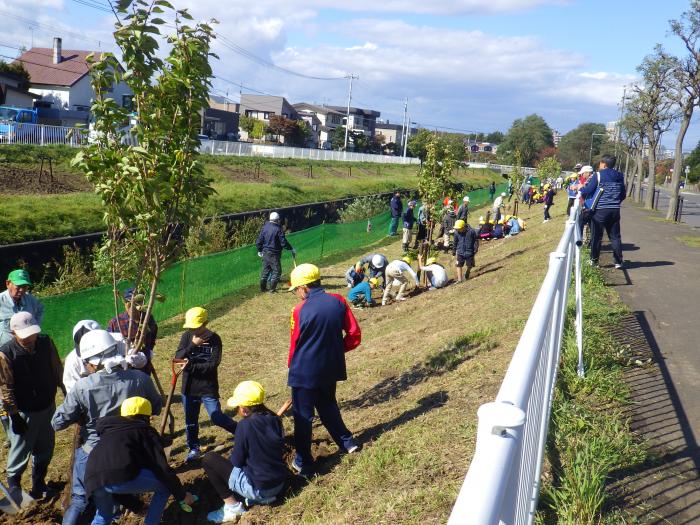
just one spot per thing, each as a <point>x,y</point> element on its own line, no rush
<point>589,435</point>
<point>689,240</point>
<point>281,182</point>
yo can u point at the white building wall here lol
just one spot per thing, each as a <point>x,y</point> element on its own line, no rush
<point>59,95</point>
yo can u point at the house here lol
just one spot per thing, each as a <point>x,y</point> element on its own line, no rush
<point>364,120</point>
<point>13,91</point>
<point>262,107</point>
<point>327,120</point>
<point>392,132</point>
<point>224,104</point>
<point>221,119</point>
<point>61,76</point>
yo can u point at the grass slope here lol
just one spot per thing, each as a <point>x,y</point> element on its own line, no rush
<point>241,184</point>
<point>413,387</point>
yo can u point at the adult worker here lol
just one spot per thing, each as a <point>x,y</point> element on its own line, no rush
<point>101,393</point>
<point>606,216</point>
<point>408,221</point>
<point>376,263</point>
<point>498,204</point>
<point>492,190</point>
<point>396,208</point>
<point>463,210</point>
<point>448,224</point>
<point>436,274</point>
<point>129,459</point>
<point>423,220</point>
<point>398,274</point>
<point>270,244</point>
<point>465,247</point>
<point>548,201</point>
<point>323,329</point>
<point>30,375</point>
<point>132,321</point>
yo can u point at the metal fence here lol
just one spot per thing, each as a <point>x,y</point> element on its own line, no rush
<point>41,134</point>
<point>503,482</point>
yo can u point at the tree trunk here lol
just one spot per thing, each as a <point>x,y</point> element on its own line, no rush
<point>678,163</point>
<point>651,184</point>
<point>640,175</point>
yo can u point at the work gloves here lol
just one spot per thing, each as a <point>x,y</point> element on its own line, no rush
<point>259,254</point>
<point>19,425</point>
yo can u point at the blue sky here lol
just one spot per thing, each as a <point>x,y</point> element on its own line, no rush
<point>464,64</point>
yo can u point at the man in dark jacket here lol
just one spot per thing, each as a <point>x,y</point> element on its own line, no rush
<point>465,247</point>
<point>317,362</point>
<point>30,375</point>
<point>129,459</point>
<point>548,201</point>
<point>606,215</point>
<point>270,244</point>
<point>396,208</point>
<point>199,352</point>
<point>408,221</point>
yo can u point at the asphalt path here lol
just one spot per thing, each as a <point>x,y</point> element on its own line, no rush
<point>691,206</point>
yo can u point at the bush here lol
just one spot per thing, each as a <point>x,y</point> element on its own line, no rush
<point>362,208</point>
<point>207,237</point>
<point>75,273</point>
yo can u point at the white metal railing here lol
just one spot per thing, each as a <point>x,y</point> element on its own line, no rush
<point>503,482</point>
<point>40,134</point>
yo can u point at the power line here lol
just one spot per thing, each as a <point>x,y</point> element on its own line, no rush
<point>94,5</point>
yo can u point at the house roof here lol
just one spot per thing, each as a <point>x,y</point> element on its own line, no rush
<point>38,62</point>
<point>323,110</point>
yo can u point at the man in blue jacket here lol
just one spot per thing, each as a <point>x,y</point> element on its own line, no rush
<point>270,244</point>
<point>396,208</point>
<point>322,330</point>
<point>606,215</point>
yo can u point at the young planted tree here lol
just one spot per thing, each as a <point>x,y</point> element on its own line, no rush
<point>154,191</point>
<point>686,93</point>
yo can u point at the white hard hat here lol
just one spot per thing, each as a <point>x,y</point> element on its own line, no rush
<point>378,261</point>
<point>274,217</point>
<point>503,194</point>
<point>95,345</point>
<point>466,198</point>
<point>80,329</point>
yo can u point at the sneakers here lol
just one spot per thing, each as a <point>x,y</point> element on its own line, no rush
<point>227,513</point>
<point>619,266</point>
<point>43,492</point>
<point>302,471</point>
<point>193,455</point>
<point>353,449</point>
<point>546,220</point>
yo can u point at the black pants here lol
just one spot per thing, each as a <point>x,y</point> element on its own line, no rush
<point>218,470</point>
<point>607,220</point>
<point>546,212</point>
<point>271,268</point>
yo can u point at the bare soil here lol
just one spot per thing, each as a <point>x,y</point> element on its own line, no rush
<point>19,180</point>
<point>243,174</point>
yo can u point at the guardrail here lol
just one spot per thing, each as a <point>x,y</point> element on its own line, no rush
<point>40,134</point>
<point>503,481</point>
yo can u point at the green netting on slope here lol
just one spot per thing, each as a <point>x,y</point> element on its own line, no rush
<point>199,281</point>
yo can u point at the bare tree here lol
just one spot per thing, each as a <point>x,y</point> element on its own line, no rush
<point>686,92</point>
<point>633,130</point>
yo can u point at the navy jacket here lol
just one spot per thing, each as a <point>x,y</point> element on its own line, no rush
<point>200,377</point>
<point>408,218</point>
<point>613,184</point>
<point>466,242</point>
<point>272,239</point>
<point>317,346</point>
<point>396,206</point>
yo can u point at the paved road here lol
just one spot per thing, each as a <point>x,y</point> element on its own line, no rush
<point>661,285</point>
<point>691,206</point>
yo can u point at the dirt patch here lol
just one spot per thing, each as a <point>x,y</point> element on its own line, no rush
<point>18,180</point>
<point>244,174</point>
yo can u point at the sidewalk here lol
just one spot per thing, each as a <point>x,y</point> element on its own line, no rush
<point>661,286</point>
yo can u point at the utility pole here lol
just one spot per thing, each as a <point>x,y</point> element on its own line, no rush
<point>408,134</point>
<point>403,123</point>
<point>347,117</point>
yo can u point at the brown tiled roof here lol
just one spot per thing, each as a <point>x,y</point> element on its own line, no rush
<point>38,62</point>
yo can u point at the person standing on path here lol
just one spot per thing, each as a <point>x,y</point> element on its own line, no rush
<point>30,375</point>
<point>199,353</point>
<point>396,207</point>
<point>101,393</point>
<point>408,221</point>
<point>492,190</point>
<point>270,244</point>
<point>606,215</point>
<point>323,329</point>
<point>548,201</point>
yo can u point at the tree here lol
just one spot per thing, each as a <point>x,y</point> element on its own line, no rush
<point>692,161</point>
<point>418,144</point>
<point>18,70</point>
<point>246,123</point>
<point>686,94</point>
<point>653,104</point>
<point>548,168</point>
<point>495,137</point>
<point>338,138</point>
<point>153,192</point>
<point>529,136</point>
<point>284,127</point>
<point>575,146</point>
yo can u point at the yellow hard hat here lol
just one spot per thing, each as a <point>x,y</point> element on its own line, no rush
<point>431,260</point>
<point>407,259</point>
<point>136,406</point>
<point>195,317</point>
<point>246,394</point>
<point>304,274</point>
<point>374,281</point>
<point>460,224</point>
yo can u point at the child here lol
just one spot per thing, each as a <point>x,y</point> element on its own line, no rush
<point>355,275</point>
<point>256,471</point>
<point>435,273</point>
<point>465,248</point>
<point>199,353</point>
<point>361,295</point>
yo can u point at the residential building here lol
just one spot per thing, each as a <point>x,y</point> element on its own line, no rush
<point>328,120</point>
<point>612,129</point>
<point>262,107</point>
<point>13,92</point>
<point>61,77</point>
<point>556,138</point>
<point>224,104</point>
<point>220,125</point>
<point>392,132</point>
<point>314,123</point>
<point>364,120</point>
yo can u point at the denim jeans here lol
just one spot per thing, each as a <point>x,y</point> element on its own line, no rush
<point>191,405</point>
<point>145,481</point>
<point>240,483</point>
<point>79,500</point>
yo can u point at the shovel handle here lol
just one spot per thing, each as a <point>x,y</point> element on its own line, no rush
<point>284,407</point>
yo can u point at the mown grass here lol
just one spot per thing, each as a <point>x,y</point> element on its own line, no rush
<point>589,436</point>
<point>413,388</point>
<point>279,183</point>
<point>689,240</point>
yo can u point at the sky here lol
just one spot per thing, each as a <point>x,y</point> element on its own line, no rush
<point>466,65</point>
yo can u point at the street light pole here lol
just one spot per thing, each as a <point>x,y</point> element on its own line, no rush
<point>590,155</point>
<point>687,170</point>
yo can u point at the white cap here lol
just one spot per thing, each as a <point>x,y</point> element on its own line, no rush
<point>274,217</point>
<point>466,198</point>
<point>503,194</point>
<point>23,325</point>
<point>586,169</point>
<point>378,261</point>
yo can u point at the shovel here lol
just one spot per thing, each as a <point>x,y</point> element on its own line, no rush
<point>166,412</point>
<point>9,506</point>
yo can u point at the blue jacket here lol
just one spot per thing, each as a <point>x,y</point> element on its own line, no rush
<point>272,239</point>
<point>466,242</point>
<point>614,191</point>
<point>408,218</point>
<point>317,344</point>
<point>396,207</point>
<point>361,289</point>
